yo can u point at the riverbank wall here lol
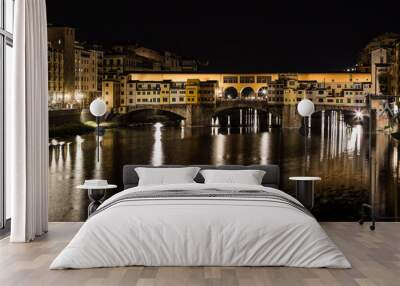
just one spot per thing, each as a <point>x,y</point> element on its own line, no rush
<point>69,122</point>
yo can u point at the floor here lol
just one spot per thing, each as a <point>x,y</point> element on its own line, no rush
<point>375,256</point>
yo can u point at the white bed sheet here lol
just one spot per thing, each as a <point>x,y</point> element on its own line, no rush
<point>200,232</point>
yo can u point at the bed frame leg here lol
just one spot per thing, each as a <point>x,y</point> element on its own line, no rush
<point>362,219</point>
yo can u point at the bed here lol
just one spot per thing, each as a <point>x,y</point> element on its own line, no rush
<point>198,224</point>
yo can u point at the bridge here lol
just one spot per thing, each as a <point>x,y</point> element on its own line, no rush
<point>202,114</point>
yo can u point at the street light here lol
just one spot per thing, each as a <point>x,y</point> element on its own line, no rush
<point>359,114</point>
<point>98,108</point>
<point>305,108</point>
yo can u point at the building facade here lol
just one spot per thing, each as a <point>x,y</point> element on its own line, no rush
<point>56,77</point>
<point>88,62</point>
<point>384,41</point>
<point>75,70</point>
<point>341,89</point>
<point>124,59</point>
<point>63,40</point>
<point>111,94</point>
<point>124,94</point>
<point>385,70</point>
<point>395,72</point>
<point>381,60</point>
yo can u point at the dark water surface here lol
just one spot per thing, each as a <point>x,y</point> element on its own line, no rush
<point>337,153</point>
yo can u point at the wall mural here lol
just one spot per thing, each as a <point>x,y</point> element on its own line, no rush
<point>188,117</point>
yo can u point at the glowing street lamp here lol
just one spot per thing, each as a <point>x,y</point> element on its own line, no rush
<point>305,108</point>
<point>98,108</point>
<point>359,114</point>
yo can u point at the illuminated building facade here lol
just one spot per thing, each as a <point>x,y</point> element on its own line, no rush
<point>88,63</point>
<point>56,76</point>
<point>62,39</point>
<point>341,89</point>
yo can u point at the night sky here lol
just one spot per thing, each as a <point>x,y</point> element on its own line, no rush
<point>237,36</point>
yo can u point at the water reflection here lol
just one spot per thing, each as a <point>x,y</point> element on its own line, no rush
<point>337,152</point>
<point>157,157</point>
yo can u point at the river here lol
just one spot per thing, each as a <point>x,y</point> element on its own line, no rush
<point>335,151</point>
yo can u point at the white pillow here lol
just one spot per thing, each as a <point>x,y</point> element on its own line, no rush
<point>166,176</point>
<point>248,177</point>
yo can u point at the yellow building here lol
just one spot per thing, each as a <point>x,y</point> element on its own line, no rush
<point>165,92</point>
<point>201,92</point>
<point>277,89</point>
<point>254,84</point>
<point>192,91</point>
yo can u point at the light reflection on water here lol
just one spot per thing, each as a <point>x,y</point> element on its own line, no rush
<point>157,157</point>
<point>336,152</point>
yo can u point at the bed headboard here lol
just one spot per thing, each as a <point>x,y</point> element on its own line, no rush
<point>271,177</point>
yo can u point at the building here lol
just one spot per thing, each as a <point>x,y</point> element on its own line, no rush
<point>178,92</point>
<point>385,70</point>
<point>63,40</point>
<point>111,94</point>
<point>56,77</point>
<point>266,84</point>
<point>395,71</point>
<point>188,65</point>
<point>171,62</point>
<point>122,94</point>
<point>100,67</point>
<point>118,61</point>
<point>88,74</point>
<point>381,60</point>
<point>129,91</point>
<point>125,59</point>
<point>385,41</point>
<point>200,92</point>
<point>75,69</point>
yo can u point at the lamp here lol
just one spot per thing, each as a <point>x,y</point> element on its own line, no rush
<point>98,108</point>
<point>305,108</point>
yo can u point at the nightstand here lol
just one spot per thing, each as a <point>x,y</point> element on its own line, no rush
<point>305,190</point>
<point>96,195</point>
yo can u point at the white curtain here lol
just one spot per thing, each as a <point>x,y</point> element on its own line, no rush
<point>27,124</point>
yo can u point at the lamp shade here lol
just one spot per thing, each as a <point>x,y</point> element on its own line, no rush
<point>305,107</point>
<point>98,107</point>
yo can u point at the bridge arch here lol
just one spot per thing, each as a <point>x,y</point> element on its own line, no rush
<point>349,115</point>
<point>149,113</point>
<point>248,93</point>
<point>231,93</point>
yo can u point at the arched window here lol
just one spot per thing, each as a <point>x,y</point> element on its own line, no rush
<point>248,93</point>
<point>231,93</point>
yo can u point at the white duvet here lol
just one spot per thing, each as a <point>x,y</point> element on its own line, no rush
<point>202,232</point>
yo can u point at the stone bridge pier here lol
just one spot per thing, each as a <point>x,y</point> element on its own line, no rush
<point>199,115</point>
<point>290,117</point>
